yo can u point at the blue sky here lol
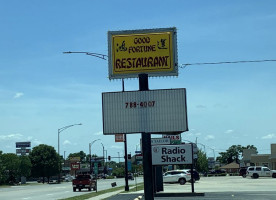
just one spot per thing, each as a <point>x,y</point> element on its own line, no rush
<point>42,90</point>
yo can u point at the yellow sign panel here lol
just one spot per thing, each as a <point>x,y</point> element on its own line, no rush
<point>74,159</point>
<point>142,52</point>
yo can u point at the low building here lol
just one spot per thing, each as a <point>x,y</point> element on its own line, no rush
<point>231,167</point>
<point>246,157</point>
<point>260,160</point>
<point>268,160</point>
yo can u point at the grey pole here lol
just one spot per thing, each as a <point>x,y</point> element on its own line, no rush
<point>59,131</point>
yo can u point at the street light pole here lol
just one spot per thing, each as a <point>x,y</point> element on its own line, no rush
<point>103,155</point>
<point>90,144</point>
<point>59,131</point>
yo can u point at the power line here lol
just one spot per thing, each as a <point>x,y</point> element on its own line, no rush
<point>226,62</point>
<point>104,57</point>
<point>98,55</point>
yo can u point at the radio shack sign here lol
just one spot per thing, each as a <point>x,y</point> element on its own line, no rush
<point>172,154</point>
<point>150,51</point>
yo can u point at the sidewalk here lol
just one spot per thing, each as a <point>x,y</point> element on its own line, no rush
<point>116,195</point>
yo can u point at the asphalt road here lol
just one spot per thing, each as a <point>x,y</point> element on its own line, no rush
<point>260,195</point>
<point>39,191</point>
<point>220,188</point>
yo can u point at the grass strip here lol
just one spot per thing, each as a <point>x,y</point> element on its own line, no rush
<point>94,194</point>
<point>140,186</point>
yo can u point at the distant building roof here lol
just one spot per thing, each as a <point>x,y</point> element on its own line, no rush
<point>232,165</point>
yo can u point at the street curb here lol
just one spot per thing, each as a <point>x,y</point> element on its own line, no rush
<point>174,194</point>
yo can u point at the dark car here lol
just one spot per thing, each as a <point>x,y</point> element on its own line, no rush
<point>195,174</point>
<point>217,171</point>
<point>242,172</point>
<point>130,176</point>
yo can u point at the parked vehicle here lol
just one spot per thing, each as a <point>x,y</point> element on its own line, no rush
<point>195,174</point>
<point>260,171</point>
<point>242,172</point>
<point>84,181</point>
<point>68,178</point>
<point>52,180</point>
<point>130,176</point>
<point>217,171</point>
<point>176,176</point>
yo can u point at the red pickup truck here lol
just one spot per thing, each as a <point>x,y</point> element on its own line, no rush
<point>84,181</point>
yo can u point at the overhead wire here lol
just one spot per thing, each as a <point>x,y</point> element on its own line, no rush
<point>226,62</point>
<point>104,57</point>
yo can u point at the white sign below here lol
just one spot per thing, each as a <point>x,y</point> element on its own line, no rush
<point>159,141</point>
<point>172,154</point>
<point>151,111</point>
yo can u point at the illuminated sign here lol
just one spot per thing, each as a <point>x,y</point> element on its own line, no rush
<point>150,51</point>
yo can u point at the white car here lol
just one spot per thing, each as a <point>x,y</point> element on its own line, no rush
<point>68,178</point>
<point>176,176</point>
<point>260,171</point>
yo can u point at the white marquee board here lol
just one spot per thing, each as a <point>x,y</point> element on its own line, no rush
<point>152,111</point>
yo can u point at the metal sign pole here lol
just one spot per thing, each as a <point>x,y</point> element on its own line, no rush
<point>126,168</point>
<point>146,147</point>
<point>192,169</point>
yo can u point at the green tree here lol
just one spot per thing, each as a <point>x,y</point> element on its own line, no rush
<point>12,165</point>
<point>119,172</point>
<point>250,147</point>
<point>202,161</point>
<point>45,161</point>
<point>233,153</point>
<point>3,175</point>
<point>25,166</point>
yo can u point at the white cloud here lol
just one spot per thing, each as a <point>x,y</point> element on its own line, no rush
<point>29,138</point>
<point>99,133</point>
<point>66,142</point>
<point>229,131</point>
<point>209,137</point>
<point>116,147</point>
<point>269,136</point>
<point>35,142</point>
<point>18,95</point>
<point>11,136</point>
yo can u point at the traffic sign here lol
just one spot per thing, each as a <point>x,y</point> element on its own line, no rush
<point>159,141</point>
<point>96,170</point>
